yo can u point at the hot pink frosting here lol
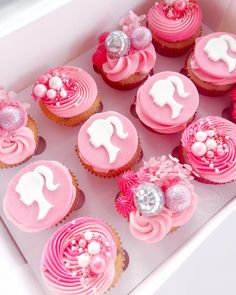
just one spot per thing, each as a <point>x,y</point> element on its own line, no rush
<point>60,269</point>
<point>61,199</point>
<point>159,118</point>
<point>178,28</point>
<point>150,229</point>
<point>16,146</point>
<point>80,88</point>
<point>142,61</point>
<point>210,71</point>
<point>97,157</point>
<point>218,165</point>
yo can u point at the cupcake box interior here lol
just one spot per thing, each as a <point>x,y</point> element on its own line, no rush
<point>144,259</point>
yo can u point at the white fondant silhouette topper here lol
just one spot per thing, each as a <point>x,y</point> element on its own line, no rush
<point>217,49</point>
<point>101,131</point>
<point>30,189</point>
<point>163,91</point>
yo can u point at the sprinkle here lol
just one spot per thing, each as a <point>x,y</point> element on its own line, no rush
<point>217,170</point>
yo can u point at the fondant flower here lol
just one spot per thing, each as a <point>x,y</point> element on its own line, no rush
<point>131,22</point>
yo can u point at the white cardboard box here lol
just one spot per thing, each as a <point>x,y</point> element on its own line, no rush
<point>55,36</point>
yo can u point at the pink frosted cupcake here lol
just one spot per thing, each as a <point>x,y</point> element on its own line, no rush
<point>108,144</point>
<point>212,64</point>
<point>156,199</point>
<point>125,57</point>
<point>67,95</point>
<point>167,102</point>
<point>83,257</point>
<point>209,146</point>
<point>18,131</point>
<point>175,24</point>
<point>40,196</point>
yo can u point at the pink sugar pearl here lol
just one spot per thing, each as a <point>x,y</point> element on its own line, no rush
<point>98,264</point>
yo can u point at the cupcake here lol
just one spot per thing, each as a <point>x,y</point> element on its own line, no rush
<point>209,146</point>
<point>125,57</point>
<point>18,131</point>
<point>167,102</point>
<point>40,196</point>
<point>233,105</point>
<point>156,199</point>
<point>67,95</point>
<point>212,64</point>
<point>174,24</point>
<point>108,144</point>
<point>83,257</point>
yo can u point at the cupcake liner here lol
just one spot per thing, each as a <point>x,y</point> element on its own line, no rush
<point>73,121</point>
<point>205,88</point>
<point>111,173</point>
<point>128,84</point>
<point>120,259</point>
<point>31,124</point>
<point>174,49</point>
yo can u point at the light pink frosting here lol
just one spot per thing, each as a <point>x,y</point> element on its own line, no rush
<point>142,61</point>
<point>160,118</point>
<point>208,70</point>
<point>60,269</point>
<point>25,216</point>
<point>16,146</point>
<point>81,92</point>
<point>220,167</point>
<point>97,157</point>
<point>150,229</point>
<point>178,29</point>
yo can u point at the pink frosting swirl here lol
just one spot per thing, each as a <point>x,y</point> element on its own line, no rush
<point>60,263</point>
<point>218,163</point>
<point>175,29</point>
<point>16,146</point>
<point>142,61</point>
<point>150,229</point>
<point>79,91</point>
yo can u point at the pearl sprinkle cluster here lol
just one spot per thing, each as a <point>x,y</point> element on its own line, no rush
<point>174,9</point>
<point>91,253</point>
<point>208,145</point>
<point>54,87</point>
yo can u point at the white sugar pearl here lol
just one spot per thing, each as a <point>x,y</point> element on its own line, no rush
<point>55,83</point>
<point>63,93</point>
<point>84,260</point>
<point>211,133</point>
<point>51,93</point>
<point>94,248</point>
<point>88,235</point>
<point>40,90</point>
<point>201,136</point>
<point>211,144</point>
<point>199,149</point>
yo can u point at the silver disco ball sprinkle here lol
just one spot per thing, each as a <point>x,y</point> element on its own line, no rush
<point>149,199</point>
<point>117,44</point>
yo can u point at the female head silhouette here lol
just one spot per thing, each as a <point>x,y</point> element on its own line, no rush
<point>163,91</point>
<point>217,49</point>
<point>30,188</point>
<point>101,131</point>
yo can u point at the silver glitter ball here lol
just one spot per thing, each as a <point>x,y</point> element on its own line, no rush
<point>117,44</point>
<point>11,118</point>
<point>149,199</point>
